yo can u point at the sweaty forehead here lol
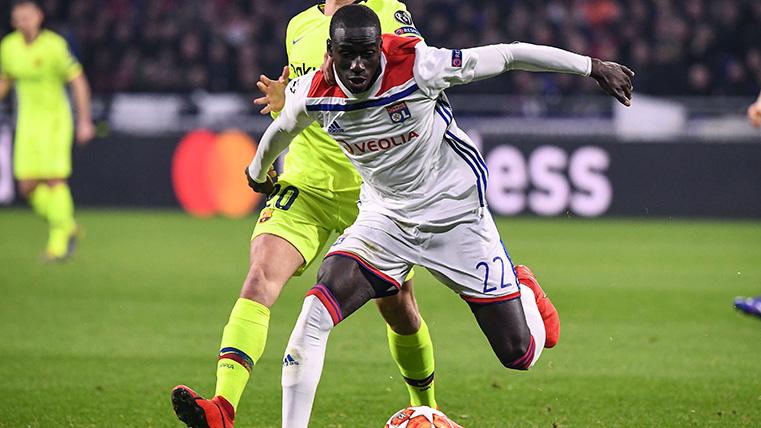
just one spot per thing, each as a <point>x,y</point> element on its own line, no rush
<point>368,34</point>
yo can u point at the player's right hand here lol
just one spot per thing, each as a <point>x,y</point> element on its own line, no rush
<point>274,92</point>
<point>268,186</point>
<point>754,113</point>
<point>85,132</point>
<point>615,79</point>
<point>327,70</point>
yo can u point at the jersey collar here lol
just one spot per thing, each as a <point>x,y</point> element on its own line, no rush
<point>372,90</point>
<point>321,5</point>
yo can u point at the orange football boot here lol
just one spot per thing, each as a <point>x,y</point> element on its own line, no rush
<point>197,412</point>
<point>546,308</point>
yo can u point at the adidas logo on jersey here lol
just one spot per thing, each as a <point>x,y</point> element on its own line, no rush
<point>335,128</point>
<point>289,361</point>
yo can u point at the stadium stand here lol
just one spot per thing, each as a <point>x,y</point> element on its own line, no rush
<point>690,47</point>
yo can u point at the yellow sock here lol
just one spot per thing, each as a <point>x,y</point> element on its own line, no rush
<point>39,199</point>
<point>243,342</point>
<point>414,356</point>
<point>60,214</point>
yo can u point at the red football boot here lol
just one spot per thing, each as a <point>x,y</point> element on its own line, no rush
<point>546,308</point>
<point>198,412</point>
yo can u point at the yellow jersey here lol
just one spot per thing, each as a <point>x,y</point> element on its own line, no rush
<point>39,71</point>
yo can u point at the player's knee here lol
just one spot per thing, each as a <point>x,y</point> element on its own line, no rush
<point>26,187</point>
<point>330,270</point>
<point>345,282</point>
<point>258,287</point>
<point>400,313</point>
<point>515,352</point>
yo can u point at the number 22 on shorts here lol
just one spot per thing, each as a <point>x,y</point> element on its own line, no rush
<point>495,261</point>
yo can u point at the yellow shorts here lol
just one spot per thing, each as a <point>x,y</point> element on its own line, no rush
<point>43,150</point>
<point>306,217</point>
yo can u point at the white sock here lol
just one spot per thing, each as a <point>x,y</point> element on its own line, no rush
<point>534,321</point>
<point>302,364</point>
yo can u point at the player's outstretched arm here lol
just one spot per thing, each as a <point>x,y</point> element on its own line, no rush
<point>613,78</point>
<point>439,69</point>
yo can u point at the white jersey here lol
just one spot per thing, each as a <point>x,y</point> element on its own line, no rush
<point>418,167</point>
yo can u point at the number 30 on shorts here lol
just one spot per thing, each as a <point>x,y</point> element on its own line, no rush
<point>284,197</point>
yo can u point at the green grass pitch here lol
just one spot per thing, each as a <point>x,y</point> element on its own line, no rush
<point>649,336</point>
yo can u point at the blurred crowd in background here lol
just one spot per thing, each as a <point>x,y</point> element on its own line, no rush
<point>677,47</point>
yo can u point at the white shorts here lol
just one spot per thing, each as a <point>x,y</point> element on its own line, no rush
<point>467,257</point>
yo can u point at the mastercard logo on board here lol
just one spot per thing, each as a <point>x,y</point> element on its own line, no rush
<point>207,173</point>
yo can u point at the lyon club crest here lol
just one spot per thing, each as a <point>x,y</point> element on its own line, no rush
<point>398,112</point>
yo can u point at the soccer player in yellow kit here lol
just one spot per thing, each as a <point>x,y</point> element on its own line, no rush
<point>315,196</point>
<point>37,62</point>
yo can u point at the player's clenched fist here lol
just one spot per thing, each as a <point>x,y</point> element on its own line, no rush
<point>268,186</point>
<point>613,78</point>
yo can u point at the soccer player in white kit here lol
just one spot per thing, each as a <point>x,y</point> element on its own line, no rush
<point>424,185</point>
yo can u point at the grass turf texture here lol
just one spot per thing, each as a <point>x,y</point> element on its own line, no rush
<point>649,337</point>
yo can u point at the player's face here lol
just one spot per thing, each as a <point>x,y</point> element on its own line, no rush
<point>356,56</point>
<point>27,18</point>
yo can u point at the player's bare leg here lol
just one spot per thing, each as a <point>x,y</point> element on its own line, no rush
<point>519,346</point>
<point>400,310</point>
<point>272,262</point>
<point>410,344</point>
<point>27,187</point>
<point>51,200</point>
<point>511,344</point>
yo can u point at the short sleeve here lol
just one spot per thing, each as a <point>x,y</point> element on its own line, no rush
<point>68,65</point>
<point>437,69</point>
<point>396,19</point>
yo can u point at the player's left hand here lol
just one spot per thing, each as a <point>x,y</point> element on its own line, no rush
<point>274,92</point>
<point>268,186</point>
<point>615,79</point>
<point>85,132</point>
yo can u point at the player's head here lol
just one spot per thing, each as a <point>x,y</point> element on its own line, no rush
<point>26,16</point>
<point>355,46</point>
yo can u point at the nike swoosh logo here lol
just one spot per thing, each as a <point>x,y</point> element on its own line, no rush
<point>294,41</point>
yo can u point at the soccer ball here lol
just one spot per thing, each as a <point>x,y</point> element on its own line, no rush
<point>420,417</point>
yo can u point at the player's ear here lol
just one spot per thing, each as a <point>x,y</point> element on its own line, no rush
<point>329,47</point>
